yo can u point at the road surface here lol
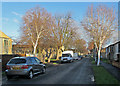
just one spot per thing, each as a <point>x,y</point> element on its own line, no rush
<point>78,72</point>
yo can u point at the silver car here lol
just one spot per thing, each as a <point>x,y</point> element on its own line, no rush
<point>27,66</point>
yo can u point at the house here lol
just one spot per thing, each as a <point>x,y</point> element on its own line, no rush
<point>22,49</point>
<point>5,44</point>
<point>103,53</point>
<point>113,51</point>
<point>113,54</point>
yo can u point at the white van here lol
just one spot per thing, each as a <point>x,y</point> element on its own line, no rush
<point>67,56</point>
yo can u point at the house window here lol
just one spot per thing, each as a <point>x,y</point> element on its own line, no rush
<point>6,46</point>
<point>111,48</point>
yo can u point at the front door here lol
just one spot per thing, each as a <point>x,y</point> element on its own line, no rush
<point>34,64</point>
<point>39,67</point>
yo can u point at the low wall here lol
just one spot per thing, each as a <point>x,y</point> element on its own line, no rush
<point>6,58</point>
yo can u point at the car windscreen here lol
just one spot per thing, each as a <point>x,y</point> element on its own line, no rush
<point>17,61</point>
<point>65,55</point>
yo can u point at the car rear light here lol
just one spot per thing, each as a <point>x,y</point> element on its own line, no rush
<point>8,67</point>
<point>24,67</point>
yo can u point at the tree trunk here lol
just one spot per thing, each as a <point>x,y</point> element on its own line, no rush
<point>34,50</point>
<point>57,54</point>
<point>43,59</point>
<point>98,62</point>
<point>48,60</point>
<point>96,49</point>
<point>95,54</point>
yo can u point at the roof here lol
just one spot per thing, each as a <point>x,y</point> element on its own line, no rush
<point>113,44</point>
<point>3,35</point>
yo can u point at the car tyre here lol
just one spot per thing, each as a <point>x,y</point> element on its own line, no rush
<point>70,61</point>
<point>30,75</point>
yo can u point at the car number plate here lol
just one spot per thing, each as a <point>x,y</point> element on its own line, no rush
<point>16,68</point>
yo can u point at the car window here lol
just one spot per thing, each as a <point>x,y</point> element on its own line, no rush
<point>65,55</point>
<point>33,60</point>
<point>29,60</point>
<point>17,61</point>
<point>38,61</point>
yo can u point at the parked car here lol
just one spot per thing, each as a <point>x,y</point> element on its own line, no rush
<point>80,57</point>
<point>75,56</point>
<point>66,58</point>
<point>27,66</point>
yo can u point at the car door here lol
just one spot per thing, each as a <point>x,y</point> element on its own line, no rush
<point>40,66</point>
<point>34,64</point>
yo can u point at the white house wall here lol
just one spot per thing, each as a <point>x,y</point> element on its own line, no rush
<point>115,51</point>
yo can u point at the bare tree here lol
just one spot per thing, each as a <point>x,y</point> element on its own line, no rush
<point>48,45</point>
<point>63,31</point>
<point>36,22</point>
<point>80,45</point>
<point>91,45</point>
<point>100,23</point>
<point>16,41</point>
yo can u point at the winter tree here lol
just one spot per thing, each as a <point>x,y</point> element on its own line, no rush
<point>63,31</point>
<point>36,22</point>
<point>100,23</point>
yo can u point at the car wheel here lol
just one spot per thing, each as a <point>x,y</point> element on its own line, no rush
<point>30,75</point>
<point>43,70</point>
<point>70,61</point>
<point>9,77</point>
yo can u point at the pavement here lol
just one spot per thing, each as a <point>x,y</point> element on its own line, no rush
<point>78,72</point>
<point>112,70</point>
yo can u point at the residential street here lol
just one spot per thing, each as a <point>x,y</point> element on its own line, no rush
<point>59,43</point>
<point>78,72</point>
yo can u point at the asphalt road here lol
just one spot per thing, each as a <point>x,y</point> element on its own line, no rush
<point>78,72</point>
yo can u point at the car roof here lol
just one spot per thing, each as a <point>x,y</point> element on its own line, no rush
<point>19,57</point>
<point>23,57</point>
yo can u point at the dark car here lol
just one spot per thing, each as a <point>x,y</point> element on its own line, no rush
<point>80,57</point>
<point>27,66</point>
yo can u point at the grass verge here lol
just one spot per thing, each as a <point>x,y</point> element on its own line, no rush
<point>51,59</point>
<point>93,62</point>
<point>105,61</point>
<point>103,77</point>
<point>55,63</point>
